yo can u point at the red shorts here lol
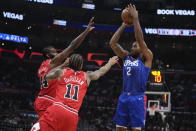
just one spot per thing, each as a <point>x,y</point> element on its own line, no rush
<point>42,103</point>
<point>58,117</point>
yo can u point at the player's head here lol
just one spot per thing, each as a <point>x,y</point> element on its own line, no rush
<point>76,62</point>
<point>135,50</point>
<point>49,52</point>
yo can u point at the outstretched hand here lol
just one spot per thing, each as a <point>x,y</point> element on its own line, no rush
<point>90,24</point>
<point>132,11</point>
<point>113,60</point>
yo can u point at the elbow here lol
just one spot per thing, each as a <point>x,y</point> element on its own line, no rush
<point>112,44</point>
<point>96,77</point>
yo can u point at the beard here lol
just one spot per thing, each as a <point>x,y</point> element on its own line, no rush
<point>135,55</point>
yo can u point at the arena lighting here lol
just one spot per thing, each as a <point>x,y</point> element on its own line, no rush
<point>119,9</point>
<point>170,32</point>
<point>42,1</point>
<point>20,55</point>
<point>153,31</point>
<point>14,38</point>
<point>11,15</point>
<point>175,12</point>
<point>59,22</point>
<point>88,6</point>
<point>85,26</point>
<point>98,61</point>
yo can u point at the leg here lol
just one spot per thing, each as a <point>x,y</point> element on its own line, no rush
<point>121,128</point>
<point>137,112</point>
<point>136,129</point>
<point>121,118</point>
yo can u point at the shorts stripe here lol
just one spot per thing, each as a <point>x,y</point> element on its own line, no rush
<point>65,107</point>
<point>145,101</point>
<point>47,97</point>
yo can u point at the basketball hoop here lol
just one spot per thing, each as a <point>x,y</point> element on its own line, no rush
<point>152,110</point>
<point>153,105</point>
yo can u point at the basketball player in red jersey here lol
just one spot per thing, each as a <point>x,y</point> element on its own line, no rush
<point>52,59</point>
<point>71,89</point>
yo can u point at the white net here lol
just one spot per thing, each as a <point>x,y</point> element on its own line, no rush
<point>152,110</point>
<point>153,106</point>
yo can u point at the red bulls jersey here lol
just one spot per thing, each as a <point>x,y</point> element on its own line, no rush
<point>46,88</point>
<point>71,88</point>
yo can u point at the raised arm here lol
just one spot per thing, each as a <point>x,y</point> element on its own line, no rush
<point>118,50</point>
<point>139,36</point>
<point>95,75</point>
<point>57,60</point>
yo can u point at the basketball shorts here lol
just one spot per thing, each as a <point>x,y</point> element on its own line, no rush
<point>42,103</point>
<point>131,111</point>
<point>58,117</point>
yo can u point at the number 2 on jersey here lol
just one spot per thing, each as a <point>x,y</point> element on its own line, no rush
<point>128,71</point>
<point>68,93</point>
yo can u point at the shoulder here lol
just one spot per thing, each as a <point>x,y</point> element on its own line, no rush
<point>127,56</point>
<point>47,61</point>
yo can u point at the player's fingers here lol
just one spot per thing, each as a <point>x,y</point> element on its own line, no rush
<point>128,6</point>
<point>115,57</point>
<point>92,19</point>
<point>134,7</point>
<point>90,24</point>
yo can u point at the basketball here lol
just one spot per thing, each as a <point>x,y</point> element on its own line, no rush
<point>126,18</point>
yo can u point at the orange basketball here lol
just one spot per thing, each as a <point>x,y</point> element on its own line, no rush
<point>126,17</point>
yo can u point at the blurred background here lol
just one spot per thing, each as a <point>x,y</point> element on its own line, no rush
<point>26,26</point>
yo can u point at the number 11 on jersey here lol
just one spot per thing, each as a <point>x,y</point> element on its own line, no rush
<point>68,93</point>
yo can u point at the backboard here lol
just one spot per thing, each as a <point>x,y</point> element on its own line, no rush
<point>161,101</point>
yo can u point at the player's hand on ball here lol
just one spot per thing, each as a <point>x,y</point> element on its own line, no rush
<point>90,24</point>
<point>132,11</point>
<point>113,60</point>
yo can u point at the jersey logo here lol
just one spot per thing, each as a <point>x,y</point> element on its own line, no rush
<point>140,98</point>
<point>131,63</point>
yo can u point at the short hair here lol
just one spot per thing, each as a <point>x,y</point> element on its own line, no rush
<point>46,51</point>
<point>75,62</point>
